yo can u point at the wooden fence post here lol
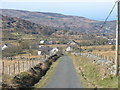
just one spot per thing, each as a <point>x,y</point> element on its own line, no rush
<point>23,66</point>
<point>14,68</point>
<point>9,69</point>
<point>18,67</point>
<point>3,67</point>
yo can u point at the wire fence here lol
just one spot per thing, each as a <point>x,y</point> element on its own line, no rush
<point>12,67</point>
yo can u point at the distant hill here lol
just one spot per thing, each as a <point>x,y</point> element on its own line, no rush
<point>65,22</point>
<point>13,24</point>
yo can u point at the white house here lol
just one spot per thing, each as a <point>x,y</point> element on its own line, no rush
<point>4,47</point>
<point>73,46</point>
<point>43,50</point>
<point>42,42</point>
<point>39,51</point>
<point>54,51</point>
<point>72,42</point>
<point>68,49</point>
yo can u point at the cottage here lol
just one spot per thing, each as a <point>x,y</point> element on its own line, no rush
<point>4,46</point>
<point>72,42</point>
<point>111,41</point>
<point>42,42</point>
<point>39,53</point>
<point>72,46</point>
<point>44,50</point>
<point>54,51</point>
<point>68,49</point>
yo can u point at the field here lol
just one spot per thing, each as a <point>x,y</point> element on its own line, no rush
<point>104,51</point>
<point>57,45</point>
<point>98,47</point>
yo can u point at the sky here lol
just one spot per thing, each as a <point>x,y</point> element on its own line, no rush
<point>92,9</point>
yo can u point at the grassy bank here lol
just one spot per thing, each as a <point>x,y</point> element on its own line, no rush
<point>45,79</point>
<point>90,74</point>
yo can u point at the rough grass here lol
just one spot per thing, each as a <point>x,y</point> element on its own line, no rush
<point>45,79</point>
<point>7,78</point>
<point>26,74</point>
<point>102,47</point>
<point>93,74</point>
<point>57,45</point>
<point>102,50</point>
<point>108,54</point>
<point>27,36</point>
<point>119,82</point>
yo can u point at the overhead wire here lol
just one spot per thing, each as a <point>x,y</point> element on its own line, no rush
<point>108,16</point>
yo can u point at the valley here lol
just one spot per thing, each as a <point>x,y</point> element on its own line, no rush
<point>33,41</point>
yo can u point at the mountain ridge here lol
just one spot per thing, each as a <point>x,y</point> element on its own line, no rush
<point>65,22</point>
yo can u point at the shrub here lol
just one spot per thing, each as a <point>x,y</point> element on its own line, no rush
<point>113,48</point>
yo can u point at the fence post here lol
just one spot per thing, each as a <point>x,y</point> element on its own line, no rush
<point>14,68</point>
<point>23,66</point>
<point>9,69</point>
<point>18,67</point>
<point>3,67</point>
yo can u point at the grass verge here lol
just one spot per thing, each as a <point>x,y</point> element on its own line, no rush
<point>90,74</point>
<point>45,79</point>
<point>7,79</point>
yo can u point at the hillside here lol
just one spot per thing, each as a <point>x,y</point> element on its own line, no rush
<point>65,22</point>
<point>13,24</point>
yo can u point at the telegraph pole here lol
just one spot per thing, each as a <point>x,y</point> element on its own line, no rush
<point>117,38</point>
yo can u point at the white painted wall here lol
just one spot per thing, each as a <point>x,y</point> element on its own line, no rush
<point>39,52</point>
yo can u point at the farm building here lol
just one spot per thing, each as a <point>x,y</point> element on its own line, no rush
<point>6,46</point>
<point>45,50</point>
<point>72,46</point>
<point>42,42</point>
<point>111,41</point>
<point>54,51</point>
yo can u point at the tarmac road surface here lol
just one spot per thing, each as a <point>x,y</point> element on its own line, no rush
<point>65,75</point>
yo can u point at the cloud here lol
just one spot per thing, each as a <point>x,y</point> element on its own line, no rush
<point>58,0</point>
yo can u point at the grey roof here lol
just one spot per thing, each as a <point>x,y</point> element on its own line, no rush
<point>72,41</point>
<point>45,49</point>
<point>7,44</point>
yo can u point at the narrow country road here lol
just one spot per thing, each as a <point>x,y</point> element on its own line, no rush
<point>65,75</point>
